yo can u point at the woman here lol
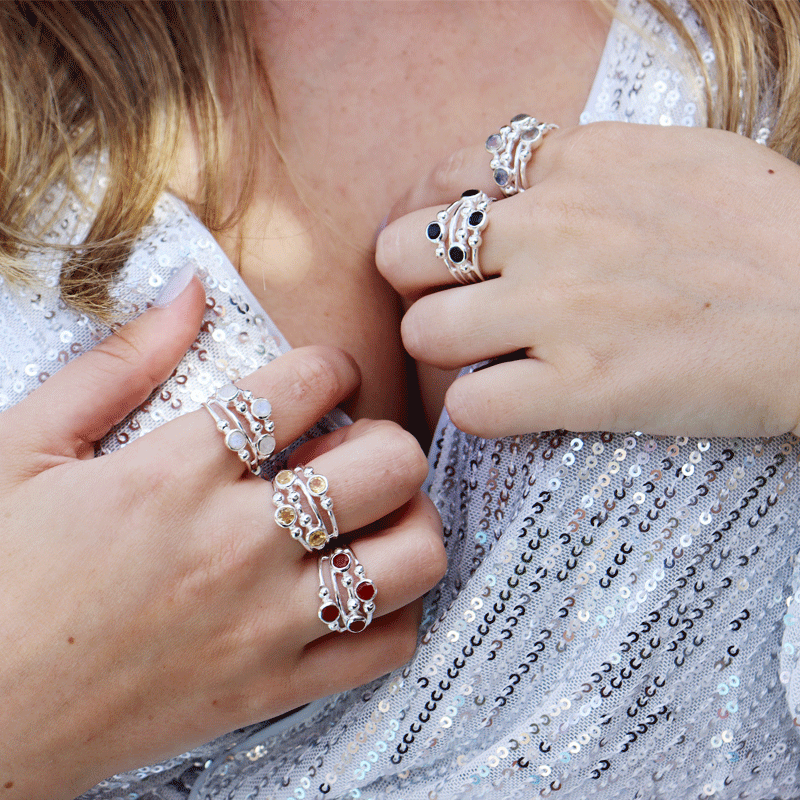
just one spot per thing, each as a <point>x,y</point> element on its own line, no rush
<point>434,727</point>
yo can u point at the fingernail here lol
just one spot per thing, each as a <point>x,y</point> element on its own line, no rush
<point>174,286</point>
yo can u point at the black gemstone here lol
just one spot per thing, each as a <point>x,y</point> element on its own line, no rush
<point>470,193</point>
<point>434,231</point>
<point>475,218</point>
<point>456,255</point>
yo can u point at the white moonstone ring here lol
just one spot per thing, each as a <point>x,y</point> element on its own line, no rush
<point>244,421</point>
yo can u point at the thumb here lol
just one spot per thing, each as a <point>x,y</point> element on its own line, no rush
<point>79,404</point>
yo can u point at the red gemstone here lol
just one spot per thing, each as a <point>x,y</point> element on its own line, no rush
<point>365,590</point>
<point>357,625</point>
<point>341,561</point>
<point>329,613</point>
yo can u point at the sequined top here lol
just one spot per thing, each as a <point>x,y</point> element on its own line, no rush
<point>617,620</point>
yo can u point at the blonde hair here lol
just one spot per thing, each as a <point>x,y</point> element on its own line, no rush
<point>124,79</point>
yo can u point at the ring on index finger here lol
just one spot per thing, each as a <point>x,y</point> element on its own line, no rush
<point>511,150</point>
<point>232,409</point>
<point>457,234</point>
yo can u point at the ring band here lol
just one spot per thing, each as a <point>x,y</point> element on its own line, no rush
<point>511,150</point>
<point>232,407</point>
<point>347,596</point>
<point>303,506</point>
<point>457,234</point>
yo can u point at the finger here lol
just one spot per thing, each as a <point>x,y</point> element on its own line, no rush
<point>467,168</point>
<point>301,386</point>
<point>403,561</point>
<point>376,469</point>
<point>466,324</point>
<point>340,661</point>
<point>521,396</point>
<point>84,400</point>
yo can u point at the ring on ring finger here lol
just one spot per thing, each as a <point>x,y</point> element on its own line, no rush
<point>347,596</point>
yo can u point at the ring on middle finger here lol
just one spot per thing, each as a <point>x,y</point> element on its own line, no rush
<point>303,506</point>
<point>457,234</point>
<point>511,150</point>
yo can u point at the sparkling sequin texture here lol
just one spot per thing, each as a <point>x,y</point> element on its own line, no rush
<point>620,614</point>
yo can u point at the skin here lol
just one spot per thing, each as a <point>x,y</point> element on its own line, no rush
<point>642,282</point>
<point>121,685</point>
<point>125,643</point>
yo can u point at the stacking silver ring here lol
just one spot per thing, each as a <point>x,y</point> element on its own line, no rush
<point>457,235</point>
<point>511,150</point>
<point>232,409</point>
<point>303,506</point>
<point>347,596</point>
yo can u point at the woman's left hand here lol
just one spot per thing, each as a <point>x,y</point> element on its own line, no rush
<point>650,276</point>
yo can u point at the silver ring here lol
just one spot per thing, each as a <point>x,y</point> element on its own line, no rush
<point>511,150</point>
<point>232,408</point>
<point>303,506</point>
<point>457,234</point>
<point>347,596</point>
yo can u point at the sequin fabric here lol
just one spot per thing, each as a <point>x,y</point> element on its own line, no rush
<point>619,617</point>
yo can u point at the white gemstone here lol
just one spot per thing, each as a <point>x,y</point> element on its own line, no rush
<point>236,440</point>
<point>265,445</point>
<point>227,393</point>
<point>261,408</point>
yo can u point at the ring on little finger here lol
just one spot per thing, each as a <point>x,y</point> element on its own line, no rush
<point>511,149</point>
<point>346,594</point>
<point>303,506</point>
<point>245,423</point>
<point>457,234</point>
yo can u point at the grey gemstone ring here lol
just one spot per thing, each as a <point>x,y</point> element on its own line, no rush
<point>511,149</point>
<point>245,423</point>
<point>456,231</point>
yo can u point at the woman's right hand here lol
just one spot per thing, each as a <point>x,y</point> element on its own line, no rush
<point>149,600</point>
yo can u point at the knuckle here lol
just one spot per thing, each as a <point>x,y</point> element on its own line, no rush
<point>405,455</point>
<point>315,376</point>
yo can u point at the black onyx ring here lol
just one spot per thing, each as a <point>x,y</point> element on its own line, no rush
<point>457,235</point>
<point>511,150</point>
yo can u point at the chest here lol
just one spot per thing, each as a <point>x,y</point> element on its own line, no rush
<point>369,96</point>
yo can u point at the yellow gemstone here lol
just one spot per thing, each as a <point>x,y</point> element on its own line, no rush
<point>317,484</point>
<point>285,516</point>
<point>284,477</point>
<point>317,538</point>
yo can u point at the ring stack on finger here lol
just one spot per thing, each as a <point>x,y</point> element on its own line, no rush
<point>303,506</point>
<point>346,594</point>
<point>511,150</point>
<point>457,234</point>
<point>244,421</point>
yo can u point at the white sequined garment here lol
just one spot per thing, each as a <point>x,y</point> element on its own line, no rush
<point>617,618</point>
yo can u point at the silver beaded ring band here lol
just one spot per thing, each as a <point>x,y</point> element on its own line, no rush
<point>303,506</point>
<point>347,596</point>
<point>457,234</point>
<point>511,150</point>
<point>232,408</point>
